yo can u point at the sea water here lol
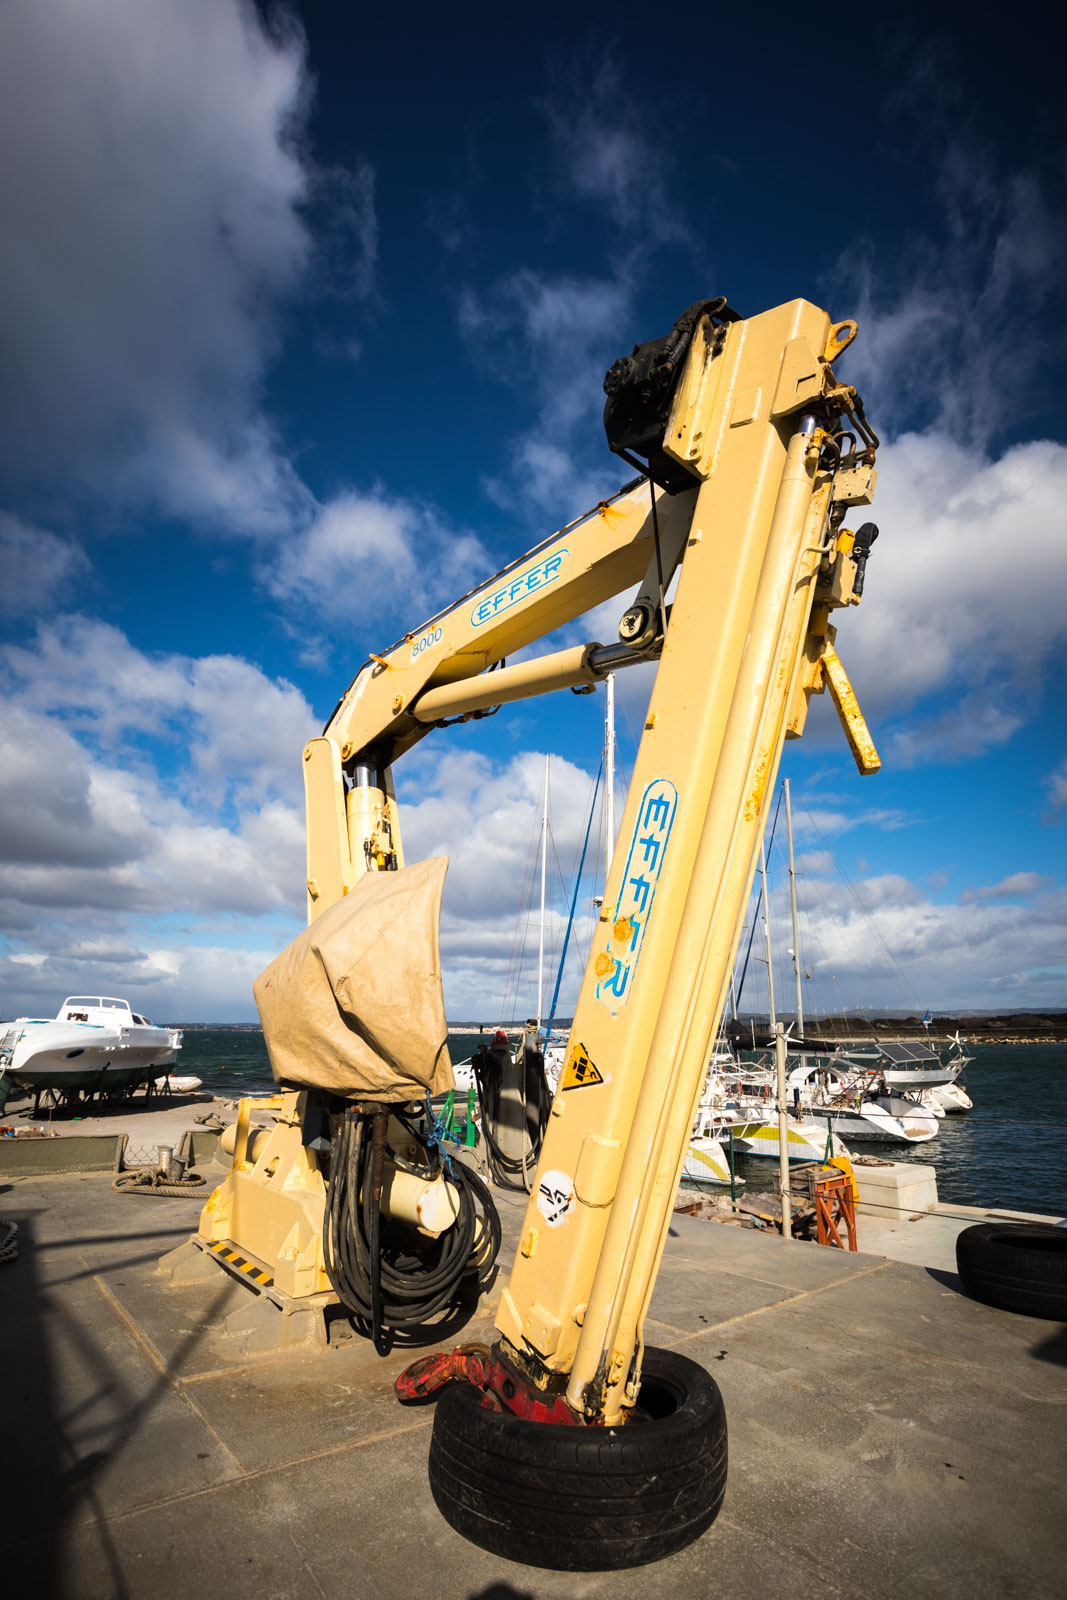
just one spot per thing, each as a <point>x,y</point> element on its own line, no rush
<point>1009,1153</point>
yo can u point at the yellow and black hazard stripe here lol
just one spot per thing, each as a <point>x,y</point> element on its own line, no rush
<point>233,1258</point>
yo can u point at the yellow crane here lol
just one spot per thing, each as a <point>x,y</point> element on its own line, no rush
<point>750,454</point>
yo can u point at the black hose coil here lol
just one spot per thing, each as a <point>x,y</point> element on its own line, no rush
<point>390,1278</point>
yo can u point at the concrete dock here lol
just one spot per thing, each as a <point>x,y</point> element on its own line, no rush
<point>888,1436</point>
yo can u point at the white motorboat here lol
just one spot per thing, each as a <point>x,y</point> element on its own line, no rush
<point>949,1097</point>
<point>908,1066</point>
<point>182,1083</point>
<point>94,1043</point>
<point>859,1105</point>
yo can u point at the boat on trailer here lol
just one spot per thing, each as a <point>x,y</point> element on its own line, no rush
<point>94,1045</point>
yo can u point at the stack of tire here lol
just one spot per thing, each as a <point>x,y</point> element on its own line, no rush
<point>1016,1266</point>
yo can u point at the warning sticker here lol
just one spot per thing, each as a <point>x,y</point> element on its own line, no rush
<point>555,1198</point>
<point>579,1070</point>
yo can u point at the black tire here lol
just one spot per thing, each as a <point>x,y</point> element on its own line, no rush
<point>1016,1266</point>
<point>583,1499</point>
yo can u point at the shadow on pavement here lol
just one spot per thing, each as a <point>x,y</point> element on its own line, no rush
<point>76,1397</point>
<point>1052,1349</point>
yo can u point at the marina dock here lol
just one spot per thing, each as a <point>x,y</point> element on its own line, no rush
<point>888,1435</point>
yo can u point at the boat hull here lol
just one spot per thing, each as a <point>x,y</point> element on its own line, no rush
<point>705,1162</point>
<point>86,1056</point>
<point>875,1125</point>
<point>805,1141</point>
<point>913,1082</point>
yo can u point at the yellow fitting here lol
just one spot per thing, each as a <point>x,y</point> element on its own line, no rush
<point>852,720</point>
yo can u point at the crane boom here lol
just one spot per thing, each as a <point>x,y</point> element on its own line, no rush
<point>759,469</point>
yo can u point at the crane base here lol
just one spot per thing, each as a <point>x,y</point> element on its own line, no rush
<point>269,1319</point>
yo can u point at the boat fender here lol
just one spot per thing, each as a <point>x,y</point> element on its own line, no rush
<point>845,1165</point>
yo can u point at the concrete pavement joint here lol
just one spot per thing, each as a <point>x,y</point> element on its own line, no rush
<point>165,1372</point>
<point>776,1305</point>
<point>255,1474</point>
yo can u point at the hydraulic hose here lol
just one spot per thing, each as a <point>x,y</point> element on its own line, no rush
<point>390,1278</point>
<point>512,1171</point>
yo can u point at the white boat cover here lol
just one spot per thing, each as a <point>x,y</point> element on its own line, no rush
<point>354,1005</point>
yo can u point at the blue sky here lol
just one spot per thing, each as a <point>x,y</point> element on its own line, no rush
<point>306,316</point>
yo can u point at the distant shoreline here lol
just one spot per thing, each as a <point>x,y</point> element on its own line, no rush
<point>1020,1028</point>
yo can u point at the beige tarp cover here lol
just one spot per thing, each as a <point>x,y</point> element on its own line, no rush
<point>354,1004</point>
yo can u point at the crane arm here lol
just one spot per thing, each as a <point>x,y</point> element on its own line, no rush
<point>452,667</point>
<point>756,467</point>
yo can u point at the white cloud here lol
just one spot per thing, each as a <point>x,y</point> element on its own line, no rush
<point>964,592</point>
<point>1056,784</point>
<point>884,942</point>
<point>138,793</point>
<point>364,554</point>
<point>485,816</point>
<point>151,222</point>
<point>555,337</point>
<point>240,730</point>
<point>38,567</point>
<point>952,325</point>
<point>193,983</point>
<point>961,614</point>
<point>608,154</point>
<point>1016,886</point>
<point>816,819</point>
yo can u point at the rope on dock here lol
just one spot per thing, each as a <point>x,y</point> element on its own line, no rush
<point>9,1249</point>
<point>150,1180</point>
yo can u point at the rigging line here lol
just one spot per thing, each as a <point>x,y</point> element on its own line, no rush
<point>574,902</point>
<point>840,941</point>
<point>518,923</point>
<point>823,954</point>
<point>755,914</point>
<point>887,955</point>
<point>576,863</point>
<point>525,916</point>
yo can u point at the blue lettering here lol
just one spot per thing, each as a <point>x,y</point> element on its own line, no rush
<point>617,982</point>
<point>657,812</point>
<point>518,589</point>
<point>651,847</point>
<point>641,887</point>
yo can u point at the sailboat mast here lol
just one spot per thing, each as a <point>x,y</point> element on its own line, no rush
<point>609,777</point>
<point>793,908</point>
<point>541,931</point>
<point>767,932</point>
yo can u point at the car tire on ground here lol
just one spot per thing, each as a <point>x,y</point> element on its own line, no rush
<point>582,1499</point>
<point>1016,1266</point>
